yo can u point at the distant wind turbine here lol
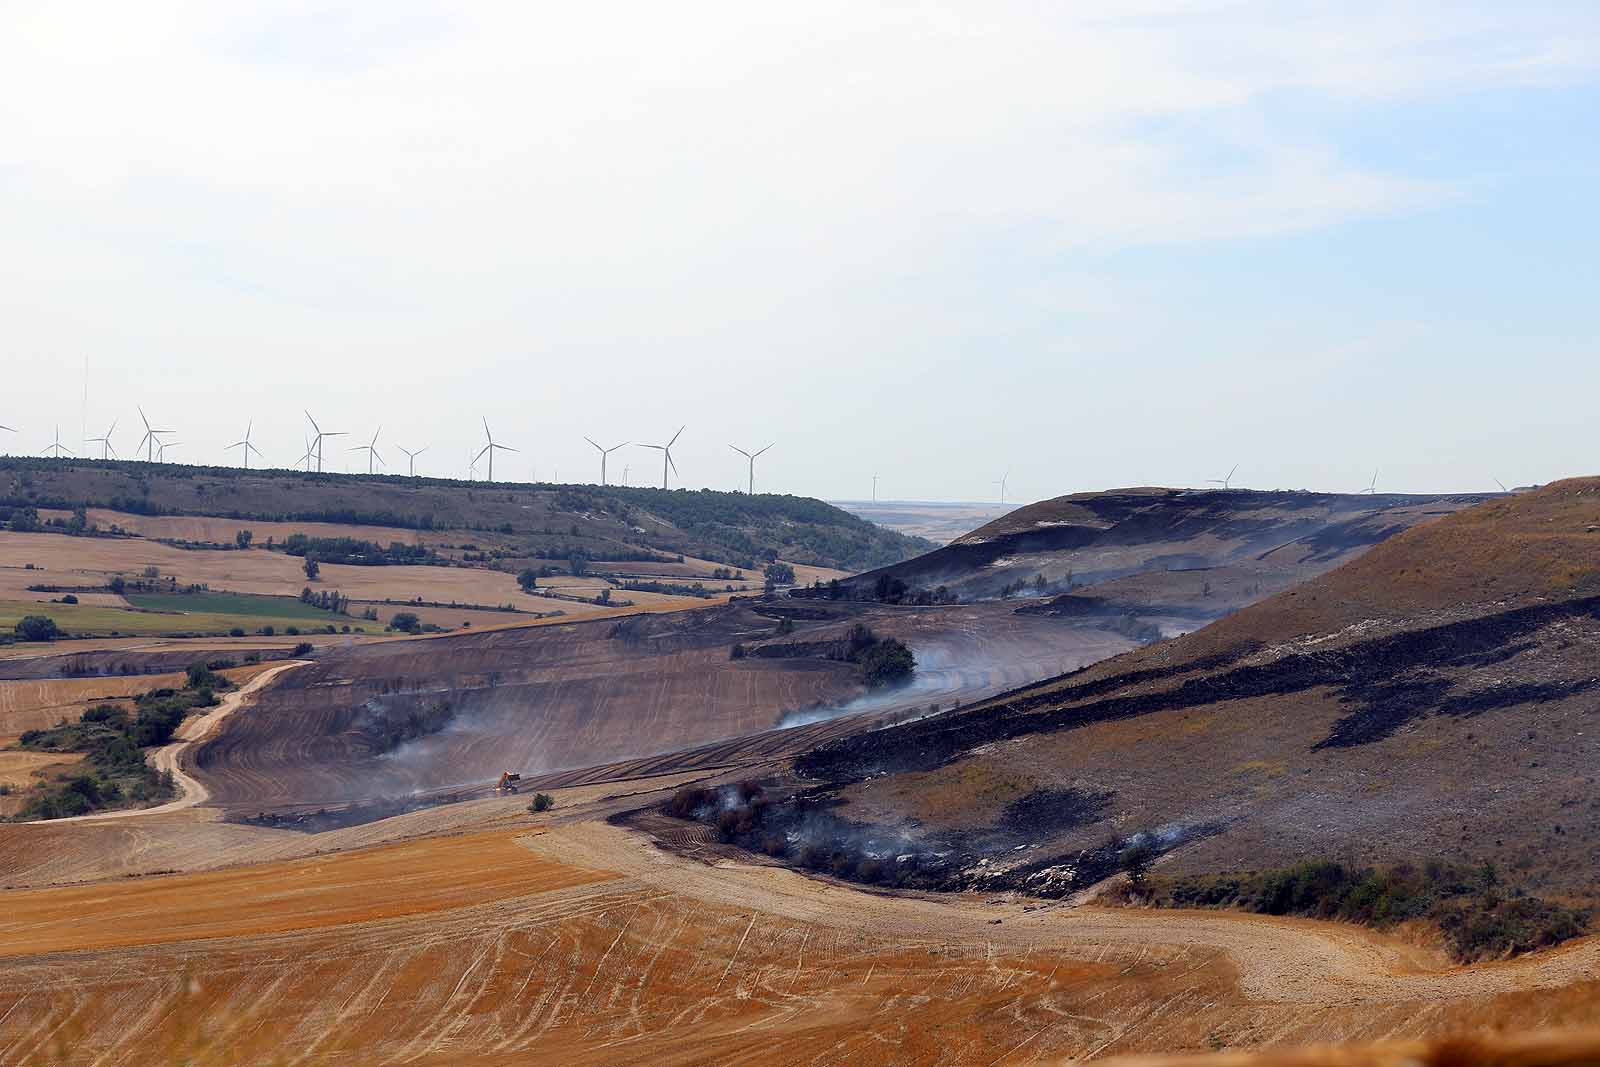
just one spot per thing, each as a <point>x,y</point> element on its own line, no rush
<point>1002,484</point>
<point>751,456</point>
<point>666,455</point>
<point>411,459</point>
<point>1372,487</point>
<point>246,445</point>
<point>161,449</point>
<point>1226,483</point>
<point>316,442</point>
<point>604,453</point>
<point>1502,485</point>
<point>490,448</point>
<point>151,438</point>
<point>106,451</point>
<point>371,449</point>
<point>55,448</point>
<point>625,469</point>
<point>874,488</point>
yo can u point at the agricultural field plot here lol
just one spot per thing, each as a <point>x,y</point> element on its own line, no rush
<point>88,620</point>
<point>582,943</point>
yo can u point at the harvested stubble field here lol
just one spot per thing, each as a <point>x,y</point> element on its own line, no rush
<point>584,944</point>
<point>537,700</point>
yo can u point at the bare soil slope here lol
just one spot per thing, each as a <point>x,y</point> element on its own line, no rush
<point>392,718</point>
<point>1435,698</point>
<point>1195,553</point>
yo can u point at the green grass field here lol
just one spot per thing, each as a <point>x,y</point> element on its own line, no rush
<point>91,620</point>
<point>243,604</point>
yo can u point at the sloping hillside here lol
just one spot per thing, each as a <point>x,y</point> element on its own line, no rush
<point>1436,698</point>
<point>606,522</point>
<point>1155,551</point>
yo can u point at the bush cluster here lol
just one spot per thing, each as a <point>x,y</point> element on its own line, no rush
<point>1479,919</point>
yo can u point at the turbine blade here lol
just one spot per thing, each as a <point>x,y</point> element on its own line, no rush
<point>677,435</point>
<point>671,464</point>
<point>313,422</point>
<point>507,448</point>
<point>741,451</point>
<point>480,454</point>
<point>592,442</point>
<point>764,449</point>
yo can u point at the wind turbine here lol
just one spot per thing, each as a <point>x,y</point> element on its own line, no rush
<point>55,448</point>
<point>1372,488</point>
<point>411,469</point>
<point>150,439</point>
<point>1002,484</point>
<point>371,449</point>
<point>316,442</point>
<point>666,456</point>
<point>751,456</point>
<point>874,487</point>
<point>1502,485</point>
<point>604,452</point>
<point>105,442</point>
<point>489,448</point>
<point>1226,483</point>
<point>161,449</point>
<point>247,446</point>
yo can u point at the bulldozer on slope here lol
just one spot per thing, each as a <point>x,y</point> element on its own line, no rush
<point>508,782</point>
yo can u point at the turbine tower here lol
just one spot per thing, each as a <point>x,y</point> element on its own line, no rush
<point>316,442</point>
<point>371,449</point>
<point>55,448</point>
<point>874,487</point>
<point>1002,484</point>
<point>489,448</point>
<point>105,441</point>
<point>751,456</point>
<point>1227,483</point>
<point>247,446</point>
<point>411,457</point>
<point>605,452</point>
<point>666,456</point>
<point>151,438</point>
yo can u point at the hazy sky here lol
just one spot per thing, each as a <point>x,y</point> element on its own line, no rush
<point>1098,244</point>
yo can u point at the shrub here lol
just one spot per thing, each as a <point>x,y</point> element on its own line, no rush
<point>301,649</point>
<point>37,628</point>
<point>541,802</point>
<point>266,631</point>
<point>736,652</point>
<point>407,621</point>
<point>69,599</point>
<point>237,631</point>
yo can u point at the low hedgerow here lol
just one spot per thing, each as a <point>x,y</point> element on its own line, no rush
<point>1478,916</point>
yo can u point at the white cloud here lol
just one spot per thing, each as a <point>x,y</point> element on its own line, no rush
<point>715,203</point>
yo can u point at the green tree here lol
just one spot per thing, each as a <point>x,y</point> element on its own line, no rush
<point>1136,863</point>
<point>243,538</point>
<point>312,568</point>
<point>37,628</point>
<point>528,579</point>
<point>406,621</point>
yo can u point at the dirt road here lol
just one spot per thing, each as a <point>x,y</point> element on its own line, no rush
<point>1279,960</point>
<point>192,731</point>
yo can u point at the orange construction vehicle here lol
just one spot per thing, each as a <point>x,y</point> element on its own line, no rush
<point>508,782</point>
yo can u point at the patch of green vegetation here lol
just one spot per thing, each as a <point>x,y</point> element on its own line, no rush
<point>240,604</point>
<point>113,743</point>
<point>1479,917</point>
<point>95,620</point>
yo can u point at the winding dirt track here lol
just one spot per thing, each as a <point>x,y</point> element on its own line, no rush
<point>1279,960</point>
<point>190,733</point>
